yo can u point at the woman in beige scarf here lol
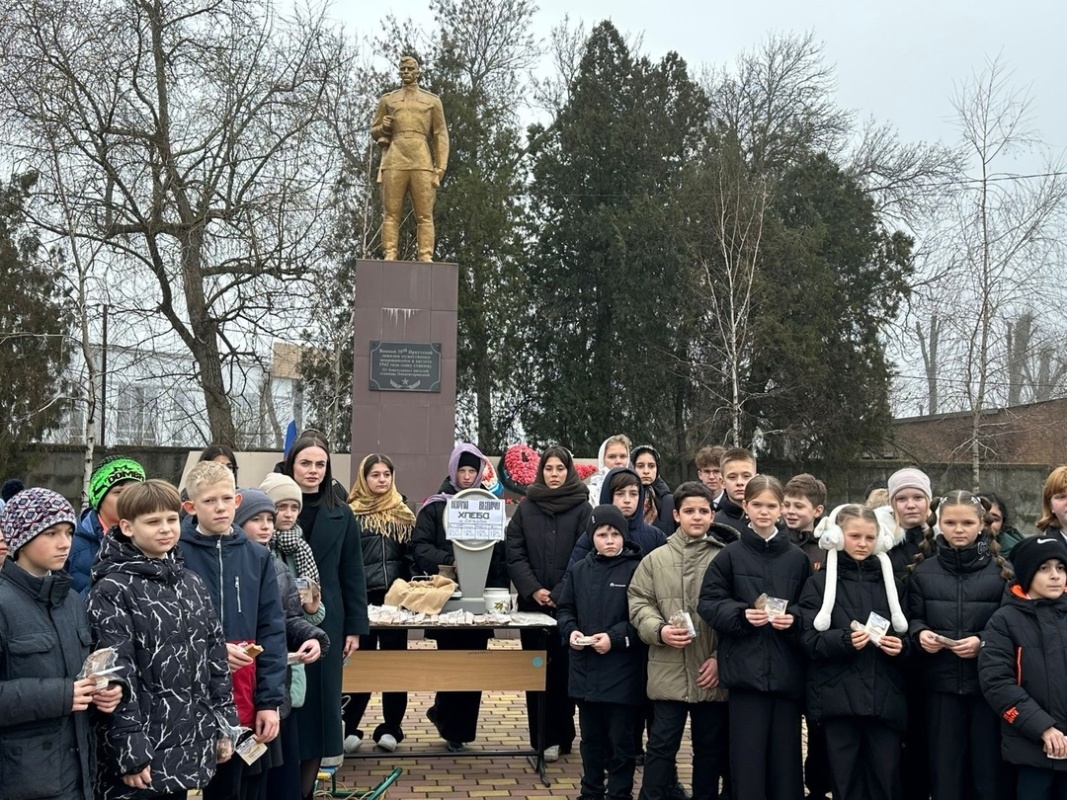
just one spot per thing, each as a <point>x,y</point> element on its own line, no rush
<point>385,523</point>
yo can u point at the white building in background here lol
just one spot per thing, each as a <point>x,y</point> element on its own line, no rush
<point>151,397</point>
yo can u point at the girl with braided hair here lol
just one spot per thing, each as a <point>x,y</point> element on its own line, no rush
<point>956,584</point>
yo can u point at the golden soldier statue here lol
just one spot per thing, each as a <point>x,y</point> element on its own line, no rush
<point>406,123</point>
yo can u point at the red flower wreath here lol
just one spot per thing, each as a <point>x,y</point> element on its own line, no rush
<point>518,467</point>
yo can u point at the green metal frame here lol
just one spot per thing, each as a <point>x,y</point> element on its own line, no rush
<point>376,793</point>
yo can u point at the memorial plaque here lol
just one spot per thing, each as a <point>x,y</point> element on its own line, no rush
<point>405,367</point>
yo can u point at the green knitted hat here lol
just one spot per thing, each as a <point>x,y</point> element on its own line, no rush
<point>109,473</point>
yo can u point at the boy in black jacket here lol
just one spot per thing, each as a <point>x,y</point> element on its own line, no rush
<point>171,653</point>
<point>737,468</point>
<point>1020,668</point>
<point>241,580</point>
<point>759,653</point>
<point>605,673</point>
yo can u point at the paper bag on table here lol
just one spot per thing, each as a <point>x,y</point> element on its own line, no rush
<point>426,597</point>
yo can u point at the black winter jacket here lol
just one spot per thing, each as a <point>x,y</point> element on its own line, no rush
<point>242,583</point>
<point>953,594</point>
<point>385,559</point>
<point>807,542</point>
<point>593,600</point>
<point>843,681</point>
<point>430,549</point>
<point>45,750</point>
<point>1022,667</point>
<point>730,515</point>
<point>763,659</point>
<point>903,555</point>
<point>172,658</point>
<point>539,547</point>
<point>664,500</point>
<point>647,537</point>
<point>297,628</point>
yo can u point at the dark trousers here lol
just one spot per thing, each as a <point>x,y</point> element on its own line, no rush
<point>964,748</point>
<point>394,704</point>
<point>607,746</point>
<point>559,708</point>
<point>1041,784</point>
<point>864,756</point>
<point>765,746</point>
<point>817,763</point>
<point>707,729</point>
<point>233,781</point>
<point>456,713</point>
<point>914,761</point>
<point>283,780</point>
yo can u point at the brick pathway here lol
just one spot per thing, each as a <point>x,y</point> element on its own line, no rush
<point>502,726</point>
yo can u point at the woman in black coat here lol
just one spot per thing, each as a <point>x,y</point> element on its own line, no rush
<point>540,538</point>
<point>659,501</point>
<point>330,529</point>
<point>385,524</point>
<point>952,595</point>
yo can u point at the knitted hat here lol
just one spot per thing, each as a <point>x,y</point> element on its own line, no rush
<point>253,502</point>
<point>31,512</point>
<point>467,459</point>
<point>280,487</point>
<point>110,473</point>
<point>909,478</point>
<point>832,539</point>
<point>607,515</point>
<point>1033,551</point>
<point>10,488</point>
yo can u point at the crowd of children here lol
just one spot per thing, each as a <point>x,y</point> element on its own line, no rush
<point>920,662</point>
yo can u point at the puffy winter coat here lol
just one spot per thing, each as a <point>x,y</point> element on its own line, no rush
<point>385,558</point>
<point>953,594</point>
<point>539,546</point>
<point>1022,668</point>
<point>844,681</point>
<point>430,549</point>
<point>241,581</point>
<point>645,536</point>
<point>297,628</point>
<point>903,555</point>
<point>668,580</point>
<point>172,657</point>
<point>45,750</point>
<point>763,659</point>
<point>807,542</point>
<point>664,500</point>
<point>83,550</point>
<point>593,599</point>
<point>731,517</point>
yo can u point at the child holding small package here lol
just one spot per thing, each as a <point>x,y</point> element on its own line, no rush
<point>605,668</point>
<point>171,654</point>
<point>855,677</point>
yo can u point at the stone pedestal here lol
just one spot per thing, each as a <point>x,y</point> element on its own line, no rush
<point>406,301</point>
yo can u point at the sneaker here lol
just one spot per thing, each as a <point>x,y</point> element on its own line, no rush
<point>678,792</point>
<point>352,744</point>
<point>552,753</point>
<point>387,742</point>
<point>455,747</point>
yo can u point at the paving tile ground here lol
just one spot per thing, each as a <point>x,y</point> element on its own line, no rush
<point>502,726</point>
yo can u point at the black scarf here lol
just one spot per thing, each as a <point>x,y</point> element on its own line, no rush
<point>563,498</point>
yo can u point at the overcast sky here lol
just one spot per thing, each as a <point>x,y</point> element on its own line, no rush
<point>897,61</point>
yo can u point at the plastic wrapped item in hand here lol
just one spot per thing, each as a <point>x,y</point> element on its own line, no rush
<point>877,626</point>
<point>682,619</point>
<point>945,640</point>
<point>234,739</point>
<point>98,666</point>
<point>774,606</point>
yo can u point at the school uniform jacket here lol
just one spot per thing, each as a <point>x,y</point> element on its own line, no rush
<point>1022,668</point>
<point>667,581</point>
<point>593,599</point>
<point>844,681</point>
<point>954,594</point>
<point>172,658</point>
<point>45,750</point>
<point>240,579</point>
<point>762,659</point>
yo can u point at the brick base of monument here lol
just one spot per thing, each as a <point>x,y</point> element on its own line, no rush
<point>416,302</point>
